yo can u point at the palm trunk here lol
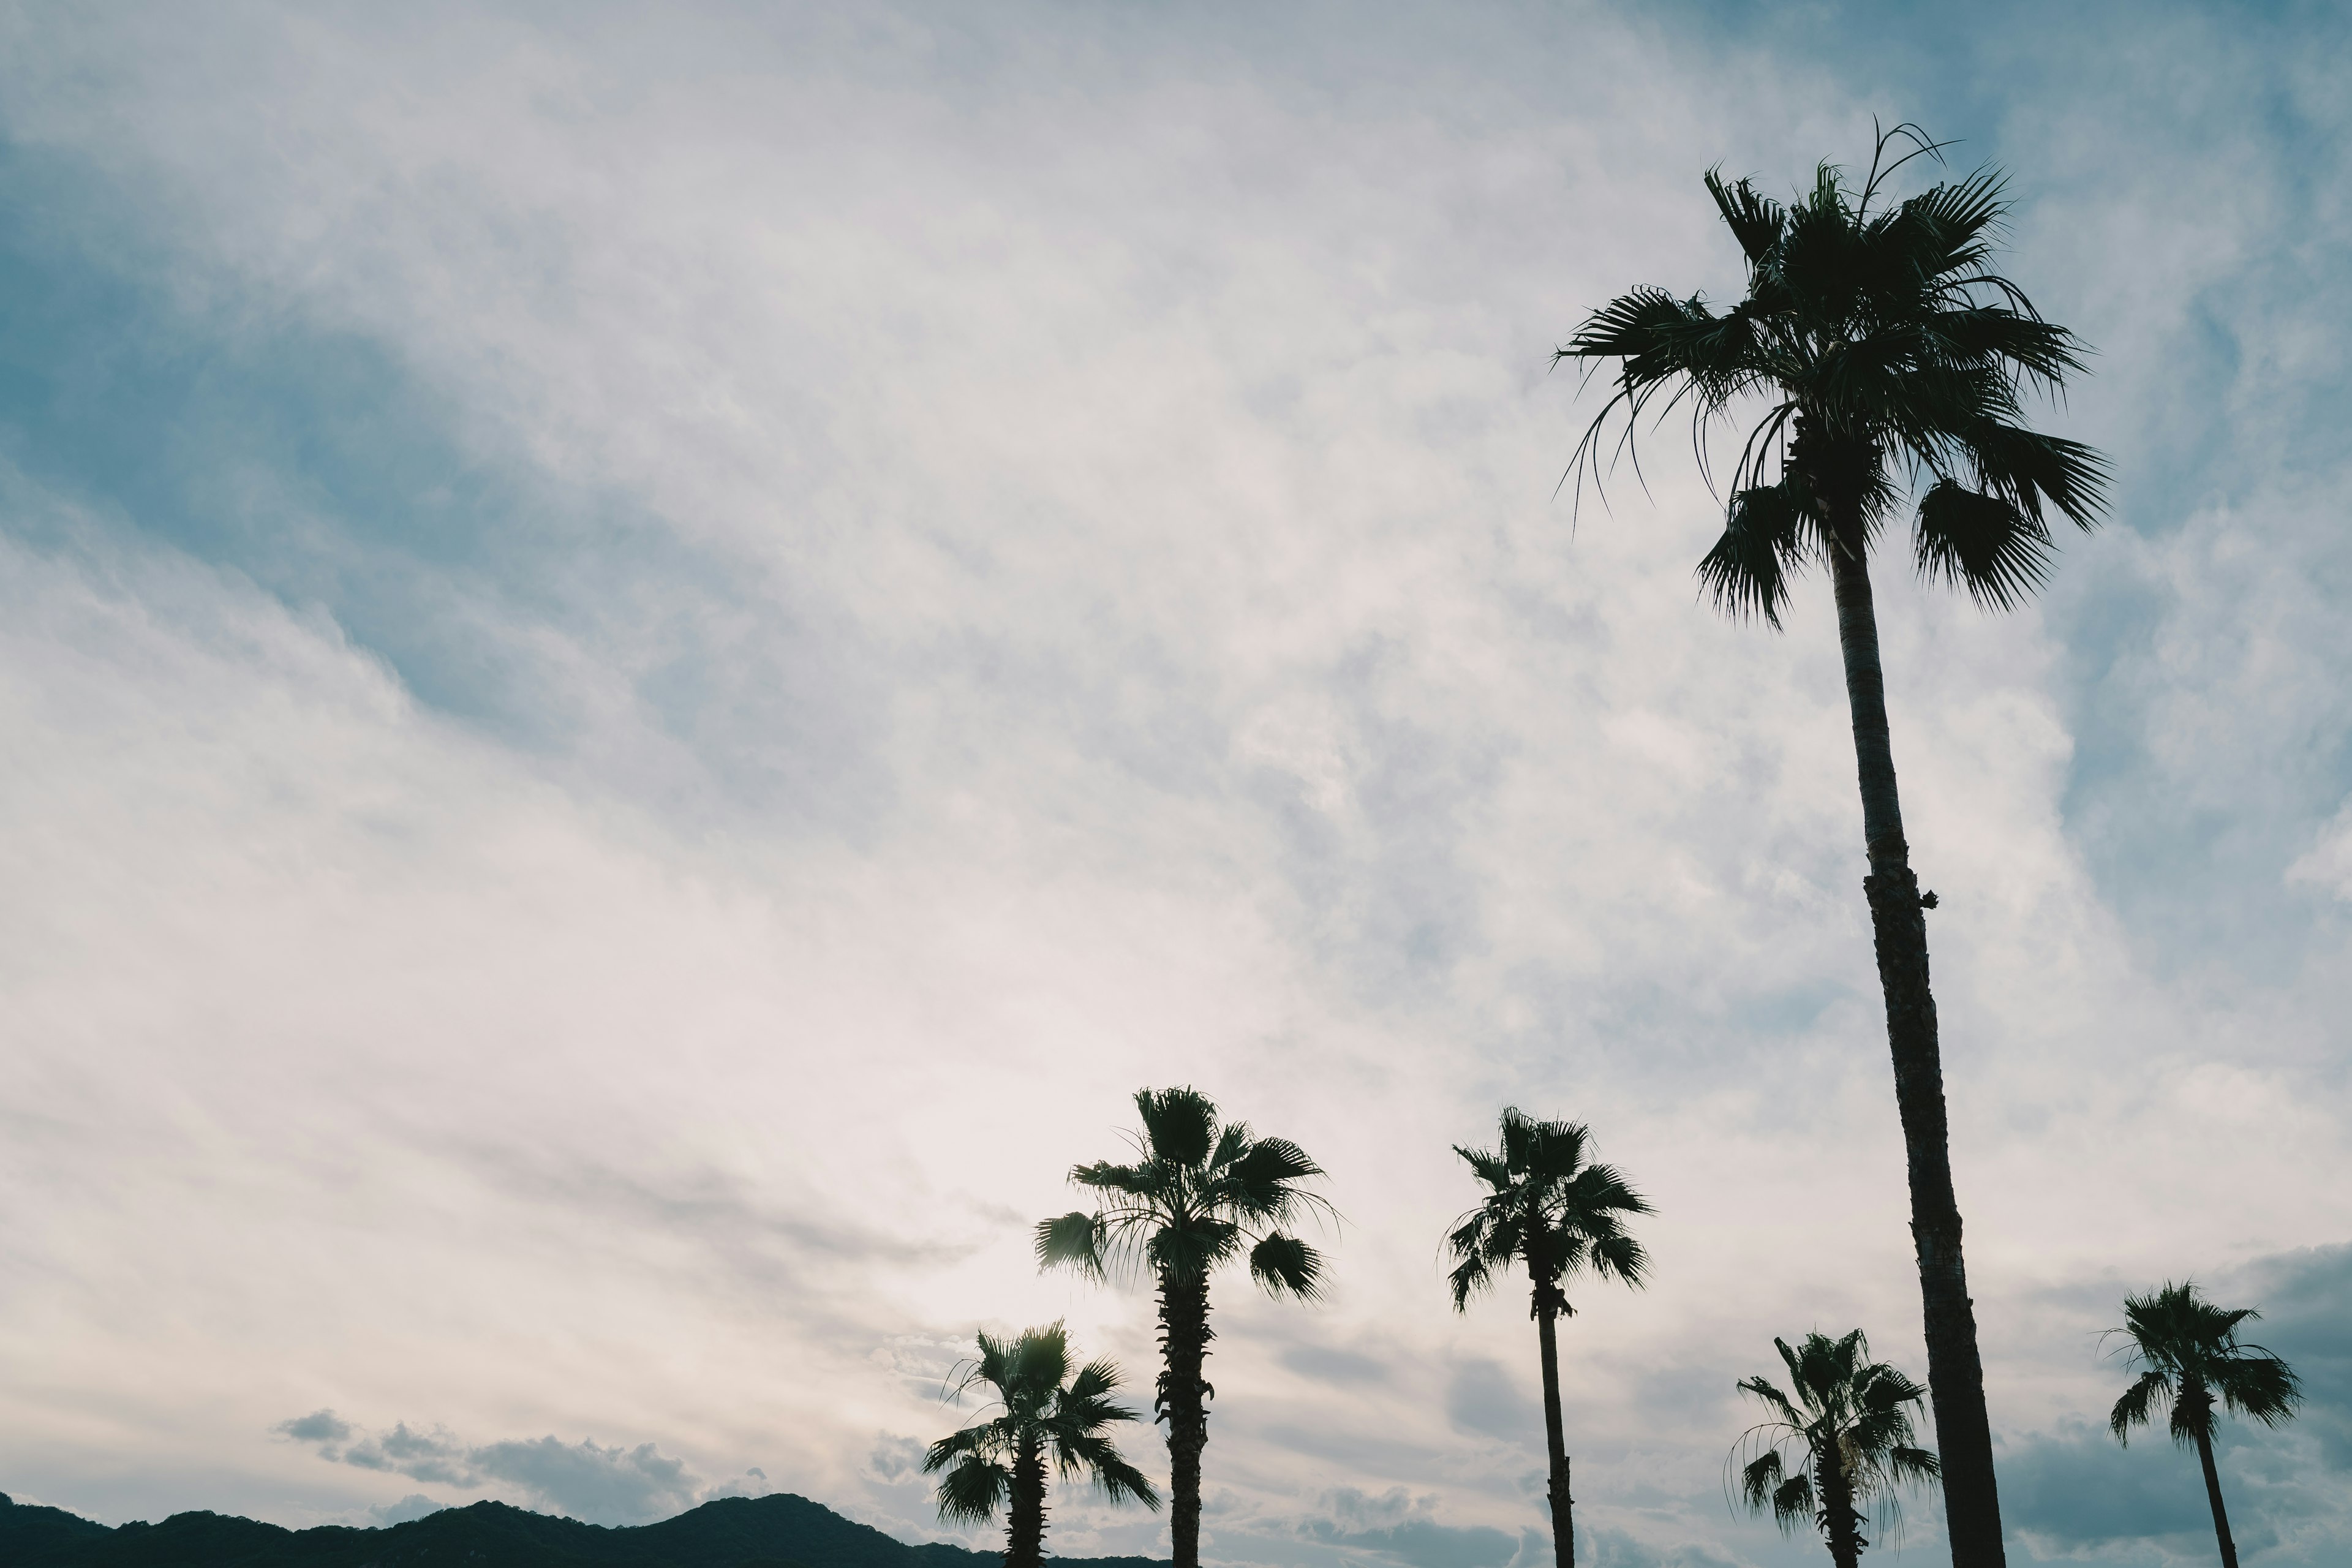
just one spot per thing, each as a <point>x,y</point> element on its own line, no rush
<point>1955,1372</point>
<point>1839,1520</point>
<point>1025,1539</point>
<point>1563,1506</point>
<point>2213,1496</point>
<point>1183,1403</point>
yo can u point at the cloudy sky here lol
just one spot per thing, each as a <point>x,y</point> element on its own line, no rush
<point>650,656</point>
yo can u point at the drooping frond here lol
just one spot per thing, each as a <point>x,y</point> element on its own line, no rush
<point>1775,1400</point>
<point>1100,1462</point>
<point>1074,1240</point>
<point>1764,1483</point>
<point>2259,1385</point>
<point>1766,536</point>
<point>2138,1404</point>
<point>973,1491</point>
<point>1984,543</point>
<point>1284,1264</point>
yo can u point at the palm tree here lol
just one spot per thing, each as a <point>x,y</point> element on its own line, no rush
<point>1044,1412</point>
<point>1882,350</point>
<point>2190,1350</point>
<point>1203,1193</point>
<point>1556,1217</point>
<point>1850,1421</point>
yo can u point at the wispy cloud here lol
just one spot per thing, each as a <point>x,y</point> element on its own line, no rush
<point>645,666</point>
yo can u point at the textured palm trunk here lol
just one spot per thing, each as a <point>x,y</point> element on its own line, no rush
<point>1024,1537</point>
<point>1183,1405</point>
<point>2213,1487</point>
<point>1840,1522</point>
<point>1563,1505</point>
<point>1955,1372</point>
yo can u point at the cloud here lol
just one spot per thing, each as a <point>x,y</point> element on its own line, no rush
<point>1617,1549</point>
<point>1485,1398</point>
<point>416,1505</point>
<point>2079,1486</point>
<point>1392,1523</point>
<point>1331,1363</point>
<point>584,1481</point>
<point>321,1426</point>
<point>896,1458</point>
<point>677,650</point>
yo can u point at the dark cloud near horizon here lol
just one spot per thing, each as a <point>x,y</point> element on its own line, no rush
<point>586,1481</point>
<point>1393,1524</point>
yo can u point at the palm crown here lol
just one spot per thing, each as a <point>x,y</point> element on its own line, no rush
<point>1203,1191</point>
<point>1879,343</point>
<point>1546,1209</point>
<point>1844,1407</point>
<point>2192,1357</point>
<point>1042,1412</point>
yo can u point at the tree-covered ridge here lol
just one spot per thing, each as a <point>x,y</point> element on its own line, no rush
<point>779,1531</point>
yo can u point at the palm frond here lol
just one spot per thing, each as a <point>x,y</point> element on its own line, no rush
<point>1073,1241</point>
<point>973,1491</point>
<point>2257,1384</point>
<point>1756,221</point>
<point>2192,1416</point>
<point>1096,1379</point>
<point>1467,1279</point>
<point>1774,1400</point>
<point>2137,1407</point>
<point>1984,543</point>
<point>2031,469</point>
<point>1283,1264</point>
<point>1180,1125</point>
<point>1117,1480</point>
<point>1620,1258</point>
<point>1909,1464</point>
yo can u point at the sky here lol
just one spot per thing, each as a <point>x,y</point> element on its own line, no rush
<point>650,656</point>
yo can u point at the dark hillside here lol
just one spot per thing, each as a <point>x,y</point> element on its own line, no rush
<point>779,1531</point>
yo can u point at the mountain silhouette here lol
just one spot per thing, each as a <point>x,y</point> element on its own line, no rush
<point>779,1531</point>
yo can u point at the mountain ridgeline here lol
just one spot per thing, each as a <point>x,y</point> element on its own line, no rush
<point>779,1531</point>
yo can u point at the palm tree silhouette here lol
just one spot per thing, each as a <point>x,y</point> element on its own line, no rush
<point>1555,1216</point>
<point>1204,1191</point>
<point>1045,1413</point>
<point>1849,1421</point>
<point>2192,1355</point>
<point>1883,350</point>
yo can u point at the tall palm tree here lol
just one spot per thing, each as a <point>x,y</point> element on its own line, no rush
<point>1202,1192</point>
<point>1881,351</point>
<point>1555,1216</point>
<point>1849,1423</point>
<point>1044,1413</point>
<point>2190,1350</point>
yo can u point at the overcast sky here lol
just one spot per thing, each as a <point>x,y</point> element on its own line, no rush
<point>649,656</point>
